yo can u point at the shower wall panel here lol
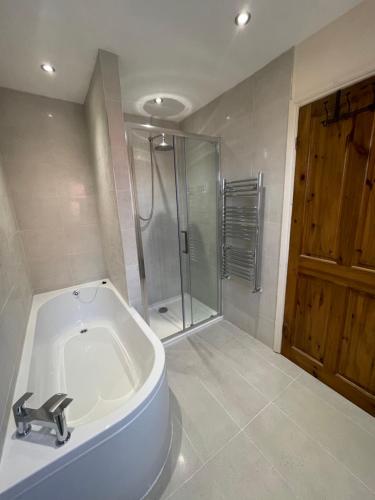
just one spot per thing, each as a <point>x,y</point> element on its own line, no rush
<point>160,235</point>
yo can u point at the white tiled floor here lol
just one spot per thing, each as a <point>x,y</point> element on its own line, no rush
<point>170,322</point>
<point>248,424</point>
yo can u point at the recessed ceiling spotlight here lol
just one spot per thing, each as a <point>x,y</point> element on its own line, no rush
<point>242,18</point>
<point>48,68</point>
<point>158,100</point>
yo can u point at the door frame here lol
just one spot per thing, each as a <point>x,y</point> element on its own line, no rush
<point>290,164</point>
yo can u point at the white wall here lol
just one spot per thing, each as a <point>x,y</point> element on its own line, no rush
<point>337,55</point>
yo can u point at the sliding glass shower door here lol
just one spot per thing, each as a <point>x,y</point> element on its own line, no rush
<point>197,177</point>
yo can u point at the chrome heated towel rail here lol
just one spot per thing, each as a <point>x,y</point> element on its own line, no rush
<point>243,202</point>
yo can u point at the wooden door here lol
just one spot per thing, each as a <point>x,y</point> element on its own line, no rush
<point>329,319</point>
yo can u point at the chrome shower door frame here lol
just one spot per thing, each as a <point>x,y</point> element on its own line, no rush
<point>129,128</point>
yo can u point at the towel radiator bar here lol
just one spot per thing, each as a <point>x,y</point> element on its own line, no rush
<point>243,214</point>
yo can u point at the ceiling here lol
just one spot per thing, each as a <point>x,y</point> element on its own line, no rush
<point>185,50</point>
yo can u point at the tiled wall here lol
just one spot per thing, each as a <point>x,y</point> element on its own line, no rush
<point>46,159</point>
<point>109,152</point>
<point>252,120</point>
<point>15,302</point>
<point>160,234</point>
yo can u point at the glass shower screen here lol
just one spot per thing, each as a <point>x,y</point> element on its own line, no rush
<point>197,199</point>
<point>176,187</point>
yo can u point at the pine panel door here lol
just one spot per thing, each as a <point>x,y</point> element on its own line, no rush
<point>329,319</point>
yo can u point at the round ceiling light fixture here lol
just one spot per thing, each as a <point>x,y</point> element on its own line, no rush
<point>48,68</point>
<point>158,100</point>
<point>242,18</point>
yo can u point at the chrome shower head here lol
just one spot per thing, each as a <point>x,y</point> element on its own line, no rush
<point>163,145</point>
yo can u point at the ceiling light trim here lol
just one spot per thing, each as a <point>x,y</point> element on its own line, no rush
<point>179,116</point>
<point>242,18</point>
<point>48,68</point>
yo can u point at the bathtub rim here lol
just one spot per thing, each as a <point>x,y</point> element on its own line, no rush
<point>86,436</point>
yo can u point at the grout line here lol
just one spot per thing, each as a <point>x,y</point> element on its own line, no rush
<point>285,388</point>
<point>238,372</point>
<point>11,290</point>
<point>271,464</point>
<point>259,353</point>
<point>222,355</point>
<point>210,459</point>
<point>256,415</point>
<point>231,366</point>
<point>306,387</point>
<point>321,445</point>
<point>184,431</point>
<point>255,351</point>
<point>214,455</point>
<point>331,405</point>
<point>240,429</point>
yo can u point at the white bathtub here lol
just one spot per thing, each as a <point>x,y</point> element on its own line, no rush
<point>119,417</point>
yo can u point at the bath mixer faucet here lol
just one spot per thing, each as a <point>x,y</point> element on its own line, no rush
<point>51,415</point>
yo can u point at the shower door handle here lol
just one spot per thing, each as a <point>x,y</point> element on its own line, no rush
<point>185,248</point>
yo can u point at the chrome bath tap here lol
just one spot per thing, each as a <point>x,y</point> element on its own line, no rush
<point>51,415</point>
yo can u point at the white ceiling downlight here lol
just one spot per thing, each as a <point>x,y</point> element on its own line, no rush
<point>158,100</point>
<point>48,68</point>
<point>242,18</point>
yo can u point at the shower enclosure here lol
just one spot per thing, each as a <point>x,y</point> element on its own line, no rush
<point>176,188</point>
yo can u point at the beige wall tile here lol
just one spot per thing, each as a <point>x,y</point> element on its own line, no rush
<point>110,75</point>
<point>89,266</point>
<point>15,302</point>
<point>252,119</point>
<point>50,273</point>
<point>107,137</point>
<point>48,166</point>
<point>82,239</point>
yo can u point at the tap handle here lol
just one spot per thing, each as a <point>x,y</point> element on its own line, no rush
<point>57,403</point>
<point>61,406</point>
<point>18,406</point>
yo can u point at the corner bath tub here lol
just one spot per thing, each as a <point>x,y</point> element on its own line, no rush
<point>99,351</point>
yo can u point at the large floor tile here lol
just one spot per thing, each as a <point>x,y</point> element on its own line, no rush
<point>310,443</point>
<point>200,487</point>
<point>239,398</point>
<point>365,420</point>
<point>218,334</point>
<point>238,471</point>
<point>232,390</point>
<point>347,441</point>
<point>182,463</point>
<point>263,350</point>
<point>266,378</point>
<point>310,470</point>
<point>207,424</point>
